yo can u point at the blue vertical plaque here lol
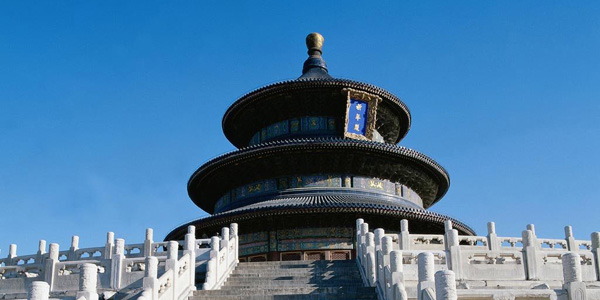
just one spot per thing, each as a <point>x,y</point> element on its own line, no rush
<point>357,117</point>
<point>361,114</point>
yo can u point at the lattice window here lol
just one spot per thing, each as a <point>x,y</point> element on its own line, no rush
<point>291,256</point>
<point>340,255</point>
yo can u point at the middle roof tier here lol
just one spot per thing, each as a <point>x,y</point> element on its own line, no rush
<point>394,172</point>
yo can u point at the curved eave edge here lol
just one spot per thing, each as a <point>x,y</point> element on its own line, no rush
<point>282,145</point>
<point>296,84</point>
<point>242,215</point>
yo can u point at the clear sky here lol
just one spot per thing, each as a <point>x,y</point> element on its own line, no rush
<point>107,107</point>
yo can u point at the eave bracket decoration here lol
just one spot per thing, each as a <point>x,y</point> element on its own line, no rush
<point>361,114</point>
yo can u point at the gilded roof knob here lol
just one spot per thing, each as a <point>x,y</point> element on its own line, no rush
<point>314,41</point>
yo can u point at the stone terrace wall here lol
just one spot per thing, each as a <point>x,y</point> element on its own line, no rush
<point>162,270</point>
<point>482,267</point>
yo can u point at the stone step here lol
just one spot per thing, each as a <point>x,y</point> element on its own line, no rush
<point>263,277</point>
<point>307,279</point>
<point>289,285</point>
<point>259,290</point>
<point>296,270</point>
<point>269,265</point>
<point>372,296</point>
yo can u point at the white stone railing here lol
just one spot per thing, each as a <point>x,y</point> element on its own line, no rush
<point>119,267</point>
<point>391,262</point>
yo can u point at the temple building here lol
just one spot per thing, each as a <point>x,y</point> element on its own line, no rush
<point>314,154</point>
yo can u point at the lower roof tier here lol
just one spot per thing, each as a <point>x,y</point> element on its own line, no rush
<point>318,156</point>
<point>326,209</point>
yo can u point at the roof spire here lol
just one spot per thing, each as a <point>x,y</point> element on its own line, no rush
<point>315,66</point>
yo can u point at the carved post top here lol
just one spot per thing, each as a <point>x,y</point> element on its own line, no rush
<point>404,225</point>
<point>425,266</point>
<point>358,223</point>
<point>370,239</point>
<point>42,247</point>
<point>110,237</point>
<point>379,234</point>
<point>571,267</point>
<point>364,228</point>
<point>12,250</point>
<point>595,240</point>
<point>88,277</point>
<point>54,249</point>
<point>192,229</point>
<point>151,267</point>
<point>396,261</point>
<point>39,290</point>
<point>190,242</point>
<point>75,242</point>
<point>445,285</point>
<point>528,238</point>
<point>214,243</point>
<point>452,238</point>
<point>447,225</point>
<point>233,229</point>
<point>491,226</point>
<point>149,234</point>
<point>568,231</point>
<point>172,248</point>
<point>120,246</point>
<point>386,245</point>
<point>532,228</point>
<point>225,233</point>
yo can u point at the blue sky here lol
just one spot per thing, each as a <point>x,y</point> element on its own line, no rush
<point>106,108</point>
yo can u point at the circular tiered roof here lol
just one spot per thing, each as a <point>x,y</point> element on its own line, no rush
<point>337,204</point>
<point>318,155</point>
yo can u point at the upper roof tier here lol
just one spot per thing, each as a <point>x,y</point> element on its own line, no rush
<point>314,94</point>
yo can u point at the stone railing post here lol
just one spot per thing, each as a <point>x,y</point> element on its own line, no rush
<point>172,255</point>
<point>447,230</point>
<point>426,285</point>
<point>534,239</point>
<point>233,228</point>
<point>148,242</point>
<point>189,247</point>
<point>384,262</point>
<point>492,237</point>
<point>379,234</point>
<point>225,238</point>
<point>88,282</point>
<point>576,289</point>
<point>172,263</point>
<point>12,253</point>
<point>453,252</point>
<point>116,269</point>
<point>445,285</point>
<point>108,247</point>
<point>596,252</point>
<point>379,263</point>
<point>370,259</point>
<point>212,268</point>
<point>38,290</point>
<point>396,286</point>
<point>530,248</point>
<point>150,281</point>
<point>74,247</point>
<point>404,236</point>
<point>41,251</point>
<point>357,236</point>
<point>50,265</point>
<point>364,230</point>
<point>571,245</point>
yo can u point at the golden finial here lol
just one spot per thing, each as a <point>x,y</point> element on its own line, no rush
<point>314,41</point>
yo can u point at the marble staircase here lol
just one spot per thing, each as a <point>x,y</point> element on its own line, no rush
<point>299,280</point>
